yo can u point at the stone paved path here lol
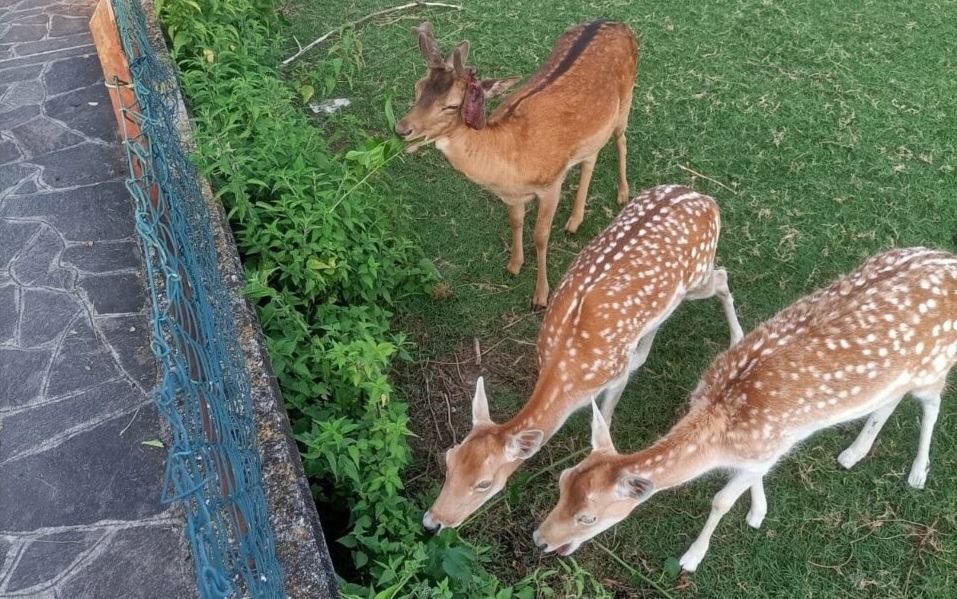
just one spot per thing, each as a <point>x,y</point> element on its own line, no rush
<point>80,516</point>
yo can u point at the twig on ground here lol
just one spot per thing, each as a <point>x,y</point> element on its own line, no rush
<point>428,395</point>
<point>368,17</point>
<point>478,352</point>
<point>715,181</point>
<point>125,428</point>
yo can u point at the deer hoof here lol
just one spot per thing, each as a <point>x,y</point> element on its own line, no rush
<point>513,267</point>
<point>572,225</point>
<point>540,300</point>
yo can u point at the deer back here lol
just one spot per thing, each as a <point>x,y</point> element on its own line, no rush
<point>885,329</point>
<point>627,281</point>
<point>591,67</point>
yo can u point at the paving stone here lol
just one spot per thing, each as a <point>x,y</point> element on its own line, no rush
<point>96,475</point>
<point>25,187</point>
<point>24,93</point>
<point>73,73</point>
<point>120,570</point>
<point>87,110</point>
<point>79,8</point>
<point>45,315</point>
<point>38,19</point>
<point>21,377</point>
<point>130,337</point>
<point>9,151</point>
<point>12,175</point>
<point>38,264</point>
<point>10,74</point>
<point>104,257</point>
<point>49,557</point>
<point>43,58</point>
<point>79,165</point>
<point>67,42</point>
<point>12,237</point>
<point>24,33</point>
<point>25,5</point>
<point>16,116</point>
<point>61,26</point>
<point>26,430</point>
<point>119,293</point>
<point>9,314</point>
<point>99,212</point>
<point>4,548</point>
<point>42,135</point>
<point>81,362</point>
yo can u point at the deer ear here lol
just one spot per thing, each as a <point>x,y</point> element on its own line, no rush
<point>493,88</point>
<point>600,435</point>
<point>463,52</point>
<point>634,487</point>
<point>473,105</point>
<point>524,445</point>
<point>480,413</point>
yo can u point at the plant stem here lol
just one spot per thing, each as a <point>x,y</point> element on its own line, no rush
<point>633,571</point>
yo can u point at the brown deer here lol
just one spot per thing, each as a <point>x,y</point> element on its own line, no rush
<point>562,116</point>
<point>850,350</point>
<point>658,252</point>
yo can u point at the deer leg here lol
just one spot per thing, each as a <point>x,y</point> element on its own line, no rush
<point>584,181</point>
<point>930,402</point>
<point>613,391</point>
<point>547,203</point>
<point>739,483</point>
<point>516,216</point>
<point>759,505</point>
<point>622,157</point>
<point>865,439</point>
<point>718,285</point>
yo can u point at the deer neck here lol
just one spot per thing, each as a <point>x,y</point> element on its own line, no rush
<point>690,450</point>
<point>482,155</point>
<point>546,410</point>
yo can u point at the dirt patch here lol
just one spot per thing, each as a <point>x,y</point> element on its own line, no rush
<point>439,387</point>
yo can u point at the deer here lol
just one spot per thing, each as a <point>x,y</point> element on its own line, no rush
<point>658,252</point>
<point>853,349</point>
<point>561,117</point>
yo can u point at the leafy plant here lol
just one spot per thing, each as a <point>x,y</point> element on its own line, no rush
<point>325,269</point>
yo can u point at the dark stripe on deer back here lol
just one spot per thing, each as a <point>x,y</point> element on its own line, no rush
<point>575,51</point>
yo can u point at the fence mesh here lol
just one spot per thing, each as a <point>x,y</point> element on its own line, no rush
<point>213,467</point>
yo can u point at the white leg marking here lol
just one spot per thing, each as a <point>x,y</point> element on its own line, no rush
<point>865,439</point>
<point>918,471</point>
<point>723,500</point>
<point>759,505</point>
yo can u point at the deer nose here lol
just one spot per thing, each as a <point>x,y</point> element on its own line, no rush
<point>430,524</point>
<point>403,130</point>
<point>538,541</point>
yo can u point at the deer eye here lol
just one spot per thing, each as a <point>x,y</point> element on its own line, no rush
<point>451,107</point>
<point>483,486</point>
<point>586,519</point>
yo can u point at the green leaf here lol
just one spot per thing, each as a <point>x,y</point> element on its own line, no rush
<point>306,92</point>
<point>672,567</point>
<point>153,443</point>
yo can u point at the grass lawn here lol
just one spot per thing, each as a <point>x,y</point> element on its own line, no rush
<point>835,125</point>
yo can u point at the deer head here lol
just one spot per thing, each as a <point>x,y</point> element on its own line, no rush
<point>594,495</point>
<point>449,96</point>
<point>479,466</point>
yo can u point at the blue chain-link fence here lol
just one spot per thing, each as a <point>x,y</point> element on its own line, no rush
<point>213,467</point>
